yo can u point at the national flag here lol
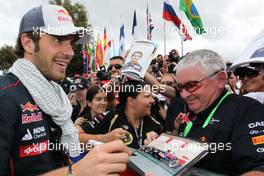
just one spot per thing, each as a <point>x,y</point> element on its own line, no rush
<point>108,52</point>
<point>150,25</point>
<point>90,52</point>
<point>192,14</point>
<point>99,52</point>
<point>122,41</point>
<point>170,15</point>
<point>134,29</point>
<point>85,60</point>
<point>105,41</point>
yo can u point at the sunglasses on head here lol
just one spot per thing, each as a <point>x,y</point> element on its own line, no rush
<point>248,74</point>
<point>192,86</point>
<point>117,66</point>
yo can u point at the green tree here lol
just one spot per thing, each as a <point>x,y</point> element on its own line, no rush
<point>7,57</point>
<point>80,18</point>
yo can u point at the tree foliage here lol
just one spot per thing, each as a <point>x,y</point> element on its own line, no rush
<point>7,57</point>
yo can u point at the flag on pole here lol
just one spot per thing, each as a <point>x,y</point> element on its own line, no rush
<point>150,25</point>
<point>90,55</point>
<point>134,29</point>
<point>105,42</point>
<point>192,14</point>
<point>92,61</point>
<point>170,15</point>
<point>99,58</point>
<point>85,60</point>
<point>122,41</point>
<point>108,53</point>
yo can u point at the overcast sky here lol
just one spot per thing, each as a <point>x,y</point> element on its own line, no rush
<point>232,24</point>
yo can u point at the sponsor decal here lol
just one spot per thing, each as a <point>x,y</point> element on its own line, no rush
<point>27,136</point>
<point>260,150</point>
<point>252,132</point>
<point>256,124</point>
<point>64,15</point>
<point>213,121</point>
<point>29,107</point>
<point>126,127</point>
<point>31,118</point>
<point>37,133</point>
<point>258,140</point>
<point>33,150</point>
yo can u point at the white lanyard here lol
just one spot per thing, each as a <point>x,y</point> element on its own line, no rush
<point>139,138</point>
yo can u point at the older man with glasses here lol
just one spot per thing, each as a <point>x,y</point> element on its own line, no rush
<point>231,124</point>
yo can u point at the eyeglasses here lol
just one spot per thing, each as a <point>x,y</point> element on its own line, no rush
<point>192,86</point>
<point>117,66</point>
<point>248,74</point>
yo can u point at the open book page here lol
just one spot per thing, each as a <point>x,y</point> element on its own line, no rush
<point>168,155</point>
<point>139,58</point>
<point>184,149</point>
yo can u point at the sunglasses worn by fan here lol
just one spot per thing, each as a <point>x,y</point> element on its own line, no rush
<point>248,74</point>
<point>192,86</point>
<point>117,66</point>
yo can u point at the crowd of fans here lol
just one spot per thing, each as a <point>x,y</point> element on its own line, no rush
<point>135,117</point>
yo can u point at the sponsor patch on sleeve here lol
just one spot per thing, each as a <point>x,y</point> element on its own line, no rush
<point>258,140</point>
<point>34,149</point>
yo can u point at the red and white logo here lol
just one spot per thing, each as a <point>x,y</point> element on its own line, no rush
<point>31,118</point>
<point>34,149</point>
<point>64,15</point>
<point>29,107</point>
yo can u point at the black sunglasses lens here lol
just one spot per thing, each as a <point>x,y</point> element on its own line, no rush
<point>251,74</point>
<point>110,67</point>
<point>118,66</point>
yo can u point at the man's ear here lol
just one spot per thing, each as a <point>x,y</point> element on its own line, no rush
<point>222,77</point>
<point>27,44</point>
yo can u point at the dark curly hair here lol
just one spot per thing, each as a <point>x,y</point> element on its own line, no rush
<point>19,49</point>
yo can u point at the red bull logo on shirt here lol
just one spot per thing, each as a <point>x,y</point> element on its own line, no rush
<point>29,107</point>
<point>31,118</point>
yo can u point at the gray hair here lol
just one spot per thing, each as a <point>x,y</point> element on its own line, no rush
<point>208,59</point>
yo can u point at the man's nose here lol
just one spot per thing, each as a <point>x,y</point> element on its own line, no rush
<point>67,49</point>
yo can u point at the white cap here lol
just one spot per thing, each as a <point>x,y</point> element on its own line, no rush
<point>51,19</point>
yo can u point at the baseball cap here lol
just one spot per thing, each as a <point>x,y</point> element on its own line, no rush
<point>247,68</point>
<point>51,19</point>
<point>81,83</point>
